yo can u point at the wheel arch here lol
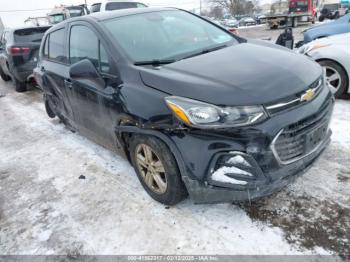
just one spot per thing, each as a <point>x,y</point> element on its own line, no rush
<point>125,132</point>
<point>342,66</point>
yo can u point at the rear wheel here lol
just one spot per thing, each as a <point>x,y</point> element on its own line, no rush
<point>4,77</point>
<point>157,170</point>
<point>336,76</point>
<point>20,86</point>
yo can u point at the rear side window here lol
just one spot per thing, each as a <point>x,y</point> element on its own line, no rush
<point>56,46</point>
<point>95,8</point>
<point>29,35</point>
<point>84,44</point>
<point>122,5</point>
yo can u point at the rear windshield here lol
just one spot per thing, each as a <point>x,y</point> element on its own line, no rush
<point>331,6</point>
<point>122,5</point>
<point>29,35</point>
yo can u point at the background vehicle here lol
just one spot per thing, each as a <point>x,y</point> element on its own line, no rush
<point>19,50</point>
<point>111,5</point>
<point>333,54</point>
<point>62,13</point>
<point>247,21</point>
<point>329,11</point>
<point>300,11</point>
<point>188,87</point>
<point>339,26</point>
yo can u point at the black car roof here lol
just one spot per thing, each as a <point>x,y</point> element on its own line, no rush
<point>100,16</point>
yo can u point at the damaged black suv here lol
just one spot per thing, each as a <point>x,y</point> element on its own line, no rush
<point>195,109</point>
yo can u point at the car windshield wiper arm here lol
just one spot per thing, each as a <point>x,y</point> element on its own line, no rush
<point>156,62</point>
<point>205,51</point>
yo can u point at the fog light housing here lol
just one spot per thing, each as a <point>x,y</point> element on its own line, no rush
<point>234,169</point>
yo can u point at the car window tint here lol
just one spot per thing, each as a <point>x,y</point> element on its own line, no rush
<point>95,8</point>
<point>120,5</point>
<point>30,35</point>
<point>104,61</point>
<point>56,46</point>
<point>84,44</point>
<point>46,47</point>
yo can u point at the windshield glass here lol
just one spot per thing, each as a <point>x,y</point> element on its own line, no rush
<point>76,12</point>
<point>165,35</point>
<point>55,19</point>
<point>123,5</point>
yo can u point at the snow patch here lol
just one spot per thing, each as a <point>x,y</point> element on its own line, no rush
<point>238,160</point>
<point>220,175</point>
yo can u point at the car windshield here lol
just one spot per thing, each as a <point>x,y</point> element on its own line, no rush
<point>123,5</point>
<point>164,35</point>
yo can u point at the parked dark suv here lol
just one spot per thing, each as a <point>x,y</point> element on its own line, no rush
<point>19,50</point>
<point>188,103</point>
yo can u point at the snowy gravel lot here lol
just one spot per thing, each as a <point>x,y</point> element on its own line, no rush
<point>46,209</point>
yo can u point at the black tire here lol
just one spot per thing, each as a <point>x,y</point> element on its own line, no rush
<point>321,18</point>
<point>4,77</point>
<point>20,87</point>
<point>48,108</point>
<point>343,75</point>
<point>175,191</point>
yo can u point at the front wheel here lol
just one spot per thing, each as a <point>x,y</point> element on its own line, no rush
<point>336,77</point>
<point>157,169</point>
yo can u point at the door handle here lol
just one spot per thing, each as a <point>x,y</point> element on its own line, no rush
<point>68,83</point>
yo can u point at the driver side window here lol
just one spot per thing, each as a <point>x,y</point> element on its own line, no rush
<point>84,44</point>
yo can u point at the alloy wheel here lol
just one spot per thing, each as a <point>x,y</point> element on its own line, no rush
<point>151,169</point>
<point>333,78</point>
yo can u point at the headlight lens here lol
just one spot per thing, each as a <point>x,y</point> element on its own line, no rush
<point>311,47</point>
<point>203,115</point>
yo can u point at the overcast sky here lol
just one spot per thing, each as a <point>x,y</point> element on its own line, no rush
<point>16,18</point>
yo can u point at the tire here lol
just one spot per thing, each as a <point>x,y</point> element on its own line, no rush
<point>48,108</point>
<point>321,19</point>
<point>175,189</point>
<point>332,66</point>
<point>4,77</point>
<point>20,87</point>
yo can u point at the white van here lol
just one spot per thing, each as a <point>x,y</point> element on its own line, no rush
<point>111,5</point>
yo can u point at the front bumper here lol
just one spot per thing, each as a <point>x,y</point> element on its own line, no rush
<point>201,153</point>
<point>269,183</point>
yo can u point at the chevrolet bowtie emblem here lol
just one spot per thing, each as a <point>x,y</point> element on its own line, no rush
<point>308,95</point>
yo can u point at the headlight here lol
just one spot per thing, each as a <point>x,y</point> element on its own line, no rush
<point>311,47</point>
<point>203,115</point>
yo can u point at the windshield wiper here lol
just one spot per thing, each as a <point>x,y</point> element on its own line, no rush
<point>156,62</point>
<point>205,51</point>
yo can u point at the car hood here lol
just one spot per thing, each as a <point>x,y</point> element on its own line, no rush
<point>250,73</point>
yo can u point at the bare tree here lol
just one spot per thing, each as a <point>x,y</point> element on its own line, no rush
<point>235,7</point>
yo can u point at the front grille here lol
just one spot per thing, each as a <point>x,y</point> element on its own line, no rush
<point>293,142</point>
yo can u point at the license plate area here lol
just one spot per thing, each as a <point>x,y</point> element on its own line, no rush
<point>315,137</point>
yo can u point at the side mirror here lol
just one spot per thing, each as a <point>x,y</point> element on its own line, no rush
<point>85,72</point>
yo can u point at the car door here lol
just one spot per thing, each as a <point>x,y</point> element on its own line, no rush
<point>53,69</point>
<point>94,105</point>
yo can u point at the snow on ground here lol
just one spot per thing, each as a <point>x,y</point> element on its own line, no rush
<point>46,209</point>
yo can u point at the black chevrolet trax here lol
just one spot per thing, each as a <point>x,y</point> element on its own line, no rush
<point>195,109</point>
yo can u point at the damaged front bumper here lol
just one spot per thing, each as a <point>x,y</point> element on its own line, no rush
<point>245,164</point>
<point>258,184</point>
